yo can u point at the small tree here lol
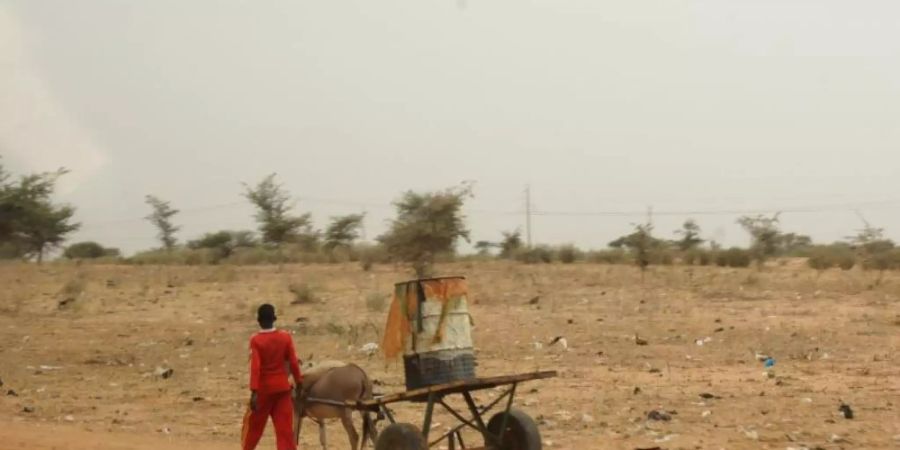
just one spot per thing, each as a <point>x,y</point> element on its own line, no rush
<point>873,249</point>
<point>484,247</point>
<point>33,224</point>
<point>764,236</point>
<point>689,236</point>
<point>641,244</point>
<point>342,231</point>
<point>426,225</point>
<point>277,225</point>
<point>511,243</point>
<point>161,218</point>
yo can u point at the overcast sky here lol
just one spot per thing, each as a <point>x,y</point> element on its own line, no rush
<point>696,108</point>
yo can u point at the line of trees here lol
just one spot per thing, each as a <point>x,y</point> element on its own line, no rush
<point>427,228</point>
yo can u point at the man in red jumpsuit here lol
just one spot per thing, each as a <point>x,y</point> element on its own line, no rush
<point>271,353</point>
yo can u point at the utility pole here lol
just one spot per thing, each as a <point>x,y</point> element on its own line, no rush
<point>528,214</point>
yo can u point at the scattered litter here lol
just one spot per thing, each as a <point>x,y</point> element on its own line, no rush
<point>751,434</point>
<point>665,438</point>
<point>28,409</point>
<point>537,345</point>
<point>639,341</point>
<point>561,341</point>
<point>655,370</point>
<point>846,410</point>
<point>706,413</point>
<point>701,342</point>
<point>835,439</point>
<point>769,362</point>
<point>165,373</point>
<point>49,367</point>
<point>708,396</point>
<point>806,400</point>
<point>369,349</point>
<point>69,418</point>
<point>587,418</point>
<point>719,330</point>
<point>165,430</point>
<point>659,415</point>
<point>760,356</point>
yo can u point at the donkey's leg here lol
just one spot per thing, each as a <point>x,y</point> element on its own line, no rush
<point>297,425</point>
<point>347,421</point>
<point>322,434</point>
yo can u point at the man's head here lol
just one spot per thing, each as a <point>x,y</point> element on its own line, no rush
<point>265,315</point>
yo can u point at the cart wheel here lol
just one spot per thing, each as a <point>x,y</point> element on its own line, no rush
<point>400,436</point>
<point>521,432</point>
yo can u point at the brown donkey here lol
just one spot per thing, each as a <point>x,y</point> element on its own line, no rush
<point>334,381</point>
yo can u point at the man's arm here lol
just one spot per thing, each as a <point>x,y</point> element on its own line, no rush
<point>292,361</point>
<point>255,364</point>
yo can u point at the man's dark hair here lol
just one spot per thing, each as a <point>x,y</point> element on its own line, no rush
<point>265,315</point>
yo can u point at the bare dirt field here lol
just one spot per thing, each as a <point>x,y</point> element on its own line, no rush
<point>85,373</point>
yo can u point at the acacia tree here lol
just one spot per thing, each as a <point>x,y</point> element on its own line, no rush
<point>161,218</point>
<point>875,252</point>
<point>641,244</point>
<point>277,224</point>
<point>764,236</point>
<point>342,231</point>
<point>427,224</point>
<point>30,223</point>
<point>511,243</point>
<point>689,236</point>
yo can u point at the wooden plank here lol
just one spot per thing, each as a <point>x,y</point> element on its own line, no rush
<point>450,388</point>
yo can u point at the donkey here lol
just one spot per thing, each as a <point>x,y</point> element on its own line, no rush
<point>334,381</point>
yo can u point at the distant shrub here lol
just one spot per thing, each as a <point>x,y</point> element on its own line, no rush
<point>825,257</point>
<point>89,250</point>
<point>376,301</point>
<point>178,256</point>
<point>697,257</point>
<point>536,255</point>
<point>303,293</point>
<point>568,254</point>
<point>610,256</point>
<point>734,257</point>
<point>369,255</point>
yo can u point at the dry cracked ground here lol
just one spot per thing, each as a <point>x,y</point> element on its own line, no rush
<point>85,352</point>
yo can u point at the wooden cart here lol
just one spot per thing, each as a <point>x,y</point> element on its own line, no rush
<point>509,429</point>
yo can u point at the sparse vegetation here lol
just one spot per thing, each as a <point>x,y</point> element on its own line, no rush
<point>734,257</point>
<point>303,293</point>
<point>376,301</point>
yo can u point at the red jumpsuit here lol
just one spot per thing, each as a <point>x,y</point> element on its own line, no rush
<point>271,352</point>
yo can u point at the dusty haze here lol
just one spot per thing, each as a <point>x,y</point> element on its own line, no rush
<point>688,106</point>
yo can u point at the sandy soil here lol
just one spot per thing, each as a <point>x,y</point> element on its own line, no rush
<point>87,375</point>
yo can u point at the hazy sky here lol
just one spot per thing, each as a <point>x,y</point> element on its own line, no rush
<point>602,106</point>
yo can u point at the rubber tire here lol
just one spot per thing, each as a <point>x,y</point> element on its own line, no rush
<point>521,431</point>
<point>400,436</point>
